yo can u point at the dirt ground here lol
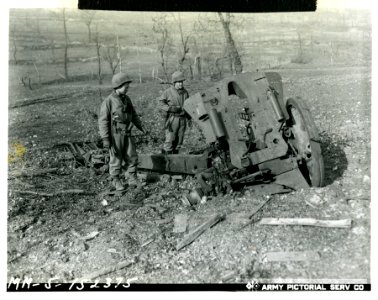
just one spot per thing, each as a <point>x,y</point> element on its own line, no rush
<point>71,236</point>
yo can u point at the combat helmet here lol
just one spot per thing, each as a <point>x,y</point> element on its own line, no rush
<point>119,79</point>
<point>178,76</point>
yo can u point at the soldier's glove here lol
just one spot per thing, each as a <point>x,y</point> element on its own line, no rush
<point>106,144</point>
<point>175,109</point>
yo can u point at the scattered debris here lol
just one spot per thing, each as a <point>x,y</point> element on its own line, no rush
<point>181,223</point>
<point>238,218</point>
<point>87,154</point>
<point>185,199</point>
<point>346,223</point>
<point>147,243</point>
<point>203,200</point>
<point>195,197</point>
<point>31,172</point>
<point>191,236</point>
<point>229,276</point>
<point>31,101</point>
<point>257,209</point>
<point>264,189</point>
<point>366,179</point>
<point>163,221</point>
<point>112,250</point>
<point>291,256</point>
<point>111,269</point>
<point>73,191</point>
<point>360,230</point>
<point>88,237</point>
<point>23,223</point>
<point>314,201</point>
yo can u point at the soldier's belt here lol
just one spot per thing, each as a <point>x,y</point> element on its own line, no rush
<point>182,115</point>
<point>122,128</point>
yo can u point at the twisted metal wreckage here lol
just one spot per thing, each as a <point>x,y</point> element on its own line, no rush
<point>254,138</point>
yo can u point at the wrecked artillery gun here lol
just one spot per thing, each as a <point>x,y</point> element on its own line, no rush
<point>253,137</point>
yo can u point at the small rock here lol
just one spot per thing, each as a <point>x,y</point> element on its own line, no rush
<point>177,177</point>
<point>112,250</point>
<point>315,200</point>
<point>165,178</point>
<point>360,230</point>
<point>203,200</point>
<point>366,179</point>
<point>104,202</point>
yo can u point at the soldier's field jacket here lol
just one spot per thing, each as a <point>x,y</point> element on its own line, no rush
<point>117,116</point>
<point>172,97</point>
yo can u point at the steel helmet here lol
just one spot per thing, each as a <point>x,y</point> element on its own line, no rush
<point>177,76</point>
<point>119,79</point>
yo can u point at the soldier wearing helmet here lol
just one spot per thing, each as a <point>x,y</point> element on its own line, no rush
<point>116,119</point>
<point>171,104</point>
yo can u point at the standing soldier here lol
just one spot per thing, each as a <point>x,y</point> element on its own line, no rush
<point>117,116</point>
<point>171,103</point>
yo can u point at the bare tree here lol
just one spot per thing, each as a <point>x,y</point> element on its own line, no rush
<point>160,28</point>
<point>232,52</point>
<point>119,57</point>
<point>206,33</point>
<point>110,55</point>
<point>184,46</point>
<point>65,43</point>
<point>51,42</point>
<point>87,17</point>
<point>14,44</point>
<point>301,57</point>
<point>98,46</point>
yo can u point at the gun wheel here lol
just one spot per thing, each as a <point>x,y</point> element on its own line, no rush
<point>304,142</point>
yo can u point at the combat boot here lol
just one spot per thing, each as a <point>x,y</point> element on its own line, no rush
<point>118,184</point>
<point>133,180</point>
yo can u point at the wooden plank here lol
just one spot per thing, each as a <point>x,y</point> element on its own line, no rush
<point>110,269</point>
<point>181,223</point>
<point>190,237</point>
<point>346,223</point>
<point>255,211</point>
<point>292,256</point>
<point>163,221</point>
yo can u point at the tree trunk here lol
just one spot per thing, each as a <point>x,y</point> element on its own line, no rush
<point>14,51</point>
<point>197,62</point>
<point>119,55</point>
<point>184,43</point>
<point>98,59</point>
<point>230,44</point>
<point>164,65</point>
<point>89,33</point>
<point>191,72</point>
<point>65,46</point>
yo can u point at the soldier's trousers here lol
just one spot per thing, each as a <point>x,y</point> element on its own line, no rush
<point>122,153</point>
<point>174,133</point>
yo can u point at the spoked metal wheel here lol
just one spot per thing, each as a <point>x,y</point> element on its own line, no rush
<point>303,138</point>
